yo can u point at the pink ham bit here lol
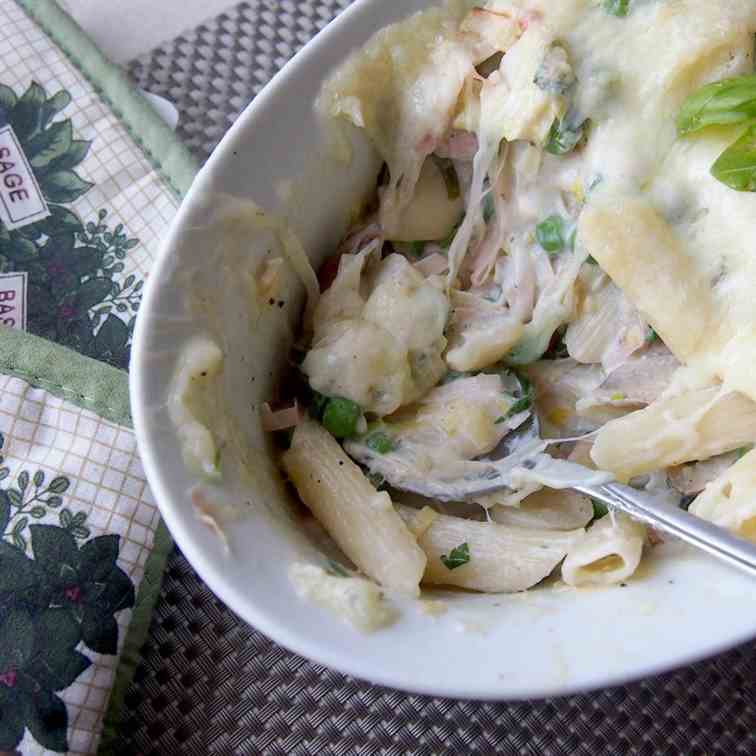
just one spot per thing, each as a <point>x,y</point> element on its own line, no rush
<point>426,145</point>
<point>654,537</point>
<point>359,239</point>
<point>276,420</point>
<point>458,145</point>
<point>528,18</point>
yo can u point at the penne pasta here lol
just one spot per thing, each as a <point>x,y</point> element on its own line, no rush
<point>694,425</point>
<point>361,520</point>
<point>608,553</point>
<point>502,559</point>
<point>547,509</point>
<point>728,501</point>
<point>639,250</point>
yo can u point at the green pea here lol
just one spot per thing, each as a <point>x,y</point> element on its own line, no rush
<point>341,416</point>
<point>550,234</point>
<point>380,442</point>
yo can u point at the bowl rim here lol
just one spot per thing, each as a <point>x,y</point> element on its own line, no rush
<point>293,640</point>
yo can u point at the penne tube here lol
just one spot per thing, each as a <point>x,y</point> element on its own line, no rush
<point>360,519</point>
<point>502,559</point>
<point>547,509</point>
<point>640,252</point>
<point>608,553</point>
<point>728,501</point>
<point>695,425</point>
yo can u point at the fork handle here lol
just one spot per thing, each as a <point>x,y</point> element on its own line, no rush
<point>711,538</point>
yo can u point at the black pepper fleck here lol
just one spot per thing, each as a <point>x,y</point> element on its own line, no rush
<point>281,303</point>
<point>271,301</point>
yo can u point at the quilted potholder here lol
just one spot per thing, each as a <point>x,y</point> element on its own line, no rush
<point>90,177</point>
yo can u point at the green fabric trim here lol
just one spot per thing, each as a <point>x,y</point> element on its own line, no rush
<point>166,154</point>
<point>87,383</point>
<point>149,590</point>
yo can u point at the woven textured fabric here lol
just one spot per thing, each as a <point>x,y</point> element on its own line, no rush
<point>212,72</point>
<point>208,683</point>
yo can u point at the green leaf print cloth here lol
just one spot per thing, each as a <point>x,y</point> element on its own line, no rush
<point>90,178</point>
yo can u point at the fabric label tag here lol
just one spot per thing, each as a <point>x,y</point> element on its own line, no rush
<point>21,201</point>
<point>13,300</point>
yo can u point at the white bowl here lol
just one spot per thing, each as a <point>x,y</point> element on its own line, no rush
<point>681,607</point>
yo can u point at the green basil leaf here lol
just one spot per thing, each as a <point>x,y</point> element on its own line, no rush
<point>736,166</point>
<point>721,103</point>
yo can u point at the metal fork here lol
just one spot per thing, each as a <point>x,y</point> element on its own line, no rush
<point>640,505</point>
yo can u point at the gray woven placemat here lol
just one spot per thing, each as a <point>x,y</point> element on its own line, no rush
<point>208,683</point>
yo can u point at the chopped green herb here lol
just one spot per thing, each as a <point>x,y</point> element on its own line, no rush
<point>722,103</point>
<point>618,397</point>
<point>449,174</point>
<point>550,234</point>
<point>616,7</point>
<point>341,416</point>
<point>451,376</point>
<point>591,260</point>
<point>380,442</point>
<point>564,136</point>
<point>457,557</point>
<point>599,509</point>
<point>416,249</point>
<point>500,419</point>
<point>686,501</point>
<point>376,480</point>
<point>522,404</point>
<point>446,243</point>
<point>571,237</point>
<point>736,166</point>
<point>740,453</point>
<point>651,335</point>
<point>335,569</point>
<point>488,207</point>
